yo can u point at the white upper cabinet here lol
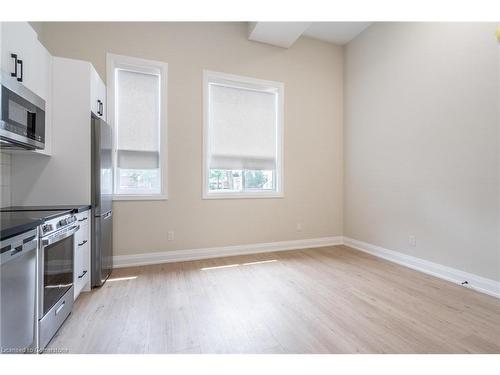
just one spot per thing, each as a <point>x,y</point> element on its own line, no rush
<point>66,177</point>
<point>40,80</point>
<point>24,58</point>
<point>27,62</point>
<point>97,94</point>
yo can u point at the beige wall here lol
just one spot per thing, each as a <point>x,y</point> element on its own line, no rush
<point>421,137</point>
<point>312,73</point>
<point>422,142</point>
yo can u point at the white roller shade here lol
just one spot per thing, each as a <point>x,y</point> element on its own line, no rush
<point>138,118</point>
<point>242,128</point>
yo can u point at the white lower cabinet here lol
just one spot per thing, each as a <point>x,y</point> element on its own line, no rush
<point>81,274</point>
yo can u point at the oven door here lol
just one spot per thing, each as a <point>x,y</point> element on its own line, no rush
<point>56,267</point>
<point>22,123</point>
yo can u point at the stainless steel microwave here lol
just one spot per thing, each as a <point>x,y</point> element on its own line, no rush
<point>22,125</point>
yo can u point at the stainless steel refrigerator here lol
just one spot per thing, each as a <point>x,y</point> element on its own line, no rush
<point>102,193</point>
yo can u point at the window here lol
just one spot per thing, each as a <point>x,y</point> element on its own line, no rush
<point>137,97</point>
<point>243,137</point>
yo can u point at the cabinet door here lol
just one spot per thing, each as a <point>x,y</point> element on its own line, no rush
<point>97,95</point>
<point>102,95</point>
<point>77,266</point>
<point>38,80</point>
<point>17,38</point>
<point>20,39</point>
<point>81,272</point>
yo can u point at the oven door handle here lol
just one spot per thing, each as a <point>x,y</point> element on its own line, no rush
<point>58,237</point>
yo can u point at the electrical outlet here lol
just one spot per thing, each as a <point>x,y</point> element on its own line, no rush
<point>412,241</point>
<point>170,235</point>
<point>299,227</point>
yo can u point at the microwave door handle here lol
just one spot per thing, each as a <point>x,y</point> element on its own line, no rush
<point>14,56</point>
<point>20,62</point>
<point>31,120</point>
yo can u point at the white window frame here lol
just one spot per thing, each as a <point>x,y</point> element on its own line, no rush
<point>253,83</point>
<point>114,61</point>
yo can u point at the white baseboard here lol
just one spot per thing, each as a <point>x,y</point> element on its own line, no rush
<point>120,261</point>
<point>479,283</point>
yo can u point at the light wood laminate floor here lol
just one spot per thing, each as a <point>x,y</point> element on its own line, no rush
<point>327,300</point>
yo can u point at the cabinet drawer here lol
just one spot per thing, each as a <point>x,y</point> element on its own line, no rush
<point>82,235</point>
<point>83,218</point>
<point>81,274</point>
<point>80,283</point>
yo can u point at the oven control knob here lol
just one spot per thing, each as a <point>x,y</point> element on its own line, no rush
<point>47,228</point>
<point>63,222</point>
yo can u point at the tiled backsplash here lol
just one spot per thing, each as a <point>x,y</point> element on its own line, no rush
<point>5,166</point>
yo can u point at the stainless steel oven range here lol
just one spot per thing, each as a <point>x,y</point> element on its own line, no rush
<point>55,275</point>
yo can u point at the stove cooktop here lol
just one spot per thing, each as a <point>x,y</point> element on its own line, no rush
<point>17,222</point>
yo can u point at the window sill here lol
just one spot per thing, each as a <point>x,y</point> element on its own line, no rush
<point>243,195</point>
<point>139,197</point>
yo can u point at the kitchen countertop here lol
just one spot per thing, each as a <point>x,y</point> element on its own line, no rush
<point>66,207</point>
<point>14,223</point>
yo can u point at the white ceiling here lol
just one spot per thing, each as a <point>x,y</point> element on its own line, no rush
<point>281,34</point>
<point>284,34</point>
<point>336,32</point>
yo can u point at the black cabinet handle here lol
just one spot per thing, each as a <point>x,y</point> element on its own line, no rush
<point>14,56</point>
<point>83,274</point>
<point>83,243</point>
<point>20,62</point>
<point>100,107</point>
<point>17,250</point>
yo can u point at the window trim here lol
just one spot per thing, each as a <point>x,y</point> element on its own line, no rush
<point>147,66</point>
<point>248,83</point>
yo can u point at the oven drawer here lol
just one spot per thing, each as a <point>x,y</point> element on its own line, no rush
<point>54,318</point>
